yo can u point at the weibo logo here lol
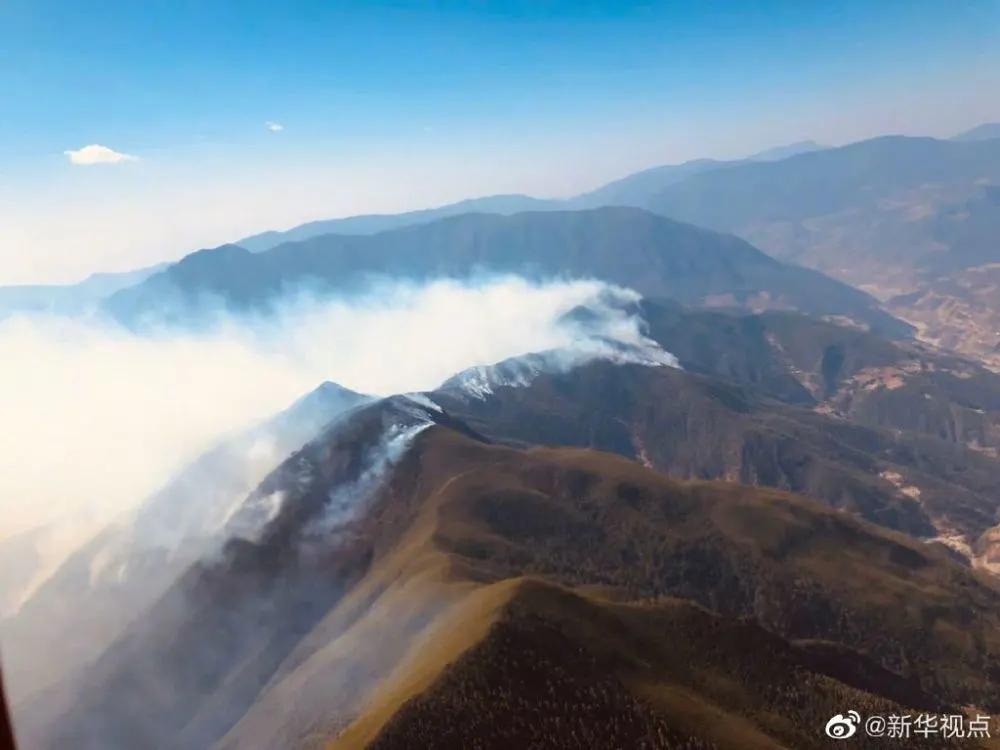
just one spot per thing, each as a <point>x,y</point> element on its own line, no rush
<point>842,727</point>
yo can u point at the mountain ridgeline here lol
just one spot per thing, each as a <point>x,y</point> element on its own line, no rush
<point>416,571</point>
<point>781,504</point>
<point>912,221</point>
<point>536,553</point>
<point>77,611</point>
<point>625,246</point>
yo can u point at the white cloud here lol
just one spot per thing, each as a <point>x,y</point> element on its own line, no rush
<point>97,154</point>
<point>274,127</point>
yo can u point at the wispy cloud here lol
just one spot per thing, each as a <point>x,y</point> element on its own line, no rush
<point>97,154</point>
<point>274,127</point>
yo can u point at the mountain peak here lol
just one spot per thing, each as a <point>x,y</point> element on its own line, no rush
<point>328,391</point>
<point>985,132</point>
<point>778,153</point>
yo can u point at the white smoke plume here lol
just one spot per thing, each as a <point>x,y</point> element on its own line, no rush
<point>96,418</point>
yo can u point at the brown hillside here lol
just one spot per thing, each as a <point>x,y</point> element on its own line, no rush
<point>527,664</point>
<point>303,636</point>
<point>699,427</point>
<point>557,669</point>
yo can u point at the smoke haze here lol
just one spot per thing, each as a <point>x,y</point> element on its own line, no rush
<point>96,418</point>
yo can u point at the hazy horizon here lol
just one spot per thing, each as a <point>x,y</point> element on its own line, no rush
<point>271,117</point>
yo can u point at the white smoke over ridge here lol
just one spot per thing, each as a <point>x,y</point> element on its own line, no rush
<point>95,418</point>
<point>610,333</point>
<point>98,418</point>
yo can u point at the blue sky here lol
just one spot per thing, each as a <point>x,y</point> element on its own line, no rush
<point>388,106</point>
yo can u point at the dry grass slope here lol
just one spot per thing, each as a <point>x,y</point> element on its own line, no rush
<point>592,650</point>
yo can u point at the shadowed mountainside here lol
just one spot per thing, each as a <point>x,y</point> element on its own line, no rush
<point>701,428</point>
<point>838,370</point>
<point>343,607</point>
<point>891,215</point>
<point>558,669</point>
<point>626,246</point>
<point>92,596</point>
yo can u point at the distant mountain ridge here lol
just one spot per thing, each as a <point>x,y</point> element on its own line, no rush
<point>910,220</point>
<point>778,153</point>
<point>822,182</point>
<point>626,246</point>
<point>631,190</point>
<point>70,299</point>
<point>899,217</point>
<point>986,131</point>
<point>374,223</point>
<point>709,186</point>
<point>725,195</point>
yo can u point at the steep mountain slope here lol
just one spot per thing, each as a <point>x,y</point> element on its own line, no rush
<point>692,426</point>
<point>86,602</point>
<point>194,660</point>
<point>378,568</point>
<point>889,215</point>
<point>922,396</point>
<point>626,246</point>
<point>837,370</point>
<point>958,311</point>
<point>556,669</point>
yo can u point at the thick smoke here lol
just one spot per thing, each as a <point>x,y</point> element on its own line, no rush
<point>128,456</point>
<point>96,418</point>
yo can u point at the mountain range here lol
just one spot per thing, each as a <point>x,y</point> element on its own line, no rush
<point>781,505</point>
<point>79,608</point>
<point>986,131</point>
<point>632,190</point>
<point>898,217</point>
<point>625,246</point>
<point>70,299</point>
<point>515,533</point>
<point>421,578</point>
<point>911,221</point>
